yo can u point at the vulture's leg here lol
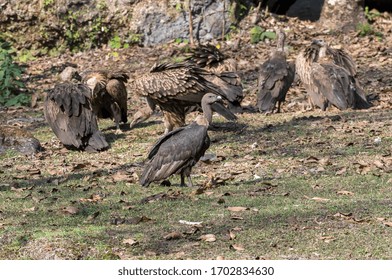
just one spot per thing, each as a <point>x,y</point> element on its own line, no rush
<point>182,184</point>
<point>277,111</point>
<point>167,123</point>
<point>189,181</point>
<point>116,111</point>
<point>186,173</point>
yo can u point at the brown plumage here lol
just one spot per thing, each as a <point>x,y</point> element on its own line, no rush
<point>226,78</point>
<point>329,77</point>
<point>68,111</point>
<point>175,87</point>
<point>275,78</point>
<point>179,150</point>
<point>109,94</point>
<point>212,59</point>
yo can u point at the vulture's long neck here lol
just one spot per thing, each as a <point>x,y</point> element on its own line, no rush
<point>207,111</point>
<point>281,36</point>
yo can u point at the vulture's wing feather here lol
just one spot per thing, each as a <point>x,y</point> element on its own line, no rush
<point>68,111</point>
<point>275,79</point>
<point>343,59</point>
<point>176,150</point>
<point>117,90</point>
<point>161,140</point>
<point>182,81</point>
<point>334,83</point>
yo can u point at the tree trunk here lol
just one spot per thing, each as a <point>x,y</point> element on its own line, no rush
<point>342,15</point>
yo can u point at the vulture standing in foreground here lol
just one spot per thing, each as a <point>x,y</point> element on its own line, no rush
<point>226,78</point>
<point>275,79</point>
<point>109,94</point>
<point>329,76</point>
<point>176,87</point>
<point>179,150</point>
<point>68,111</point>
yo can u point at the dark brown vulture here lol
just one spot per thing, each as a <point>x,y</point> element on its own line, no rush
<point>329,77</point>
<point>69,113</point>
<point>109,94</point>
<point>226,78</point>
<point>275,78</point>
<point>179,150</point>
<point>175,87</point>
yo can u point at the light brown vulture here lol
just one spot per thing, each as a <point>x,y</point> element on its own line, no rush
<point>275,78</point>
<point>175,87</point>
<point>68,111</point>
<point>329,77</point>
<point>179,150</point>
<point>109,94</point>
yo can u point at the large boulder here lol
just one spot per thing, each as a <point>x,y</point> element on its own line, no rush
<point>18,139</point>
<point>82,24</point>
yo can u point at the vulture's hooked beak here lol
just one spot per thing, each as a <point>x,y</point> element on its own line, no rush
<point>141,115</point>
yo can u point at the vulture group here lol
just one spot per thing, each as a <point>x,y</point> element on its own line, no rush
<point>206,81</point>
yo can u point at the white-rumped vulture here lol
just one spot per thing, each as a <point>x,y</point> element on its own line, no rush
<point>109,94</point>
<point>275,78</point>
<point>68,111</point>
<point>175,87</point>
<point>179,150</point>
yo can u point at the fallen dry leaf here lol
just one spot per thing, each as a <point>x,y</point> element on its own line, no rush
<point>190,223</point>
<point>327,239</point>
<point>345,193</point>
<point>92,198</point>
<point>237,208</point>
<point>79,166</point>
<point>237,247</point>
<point>387,224</point>
<point>71,210</point>
<point>137,220</point>
<point>236,217</point>
<point>342,215</point>
<point>173,235</point>
<point>122,176</point>
<point>318,199</point>
<point>341,171</point>
<point>208,238</point>
<point>130,241</point>
<point>92,216</point>
<point>231,235</point>
<point>32,209</point>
